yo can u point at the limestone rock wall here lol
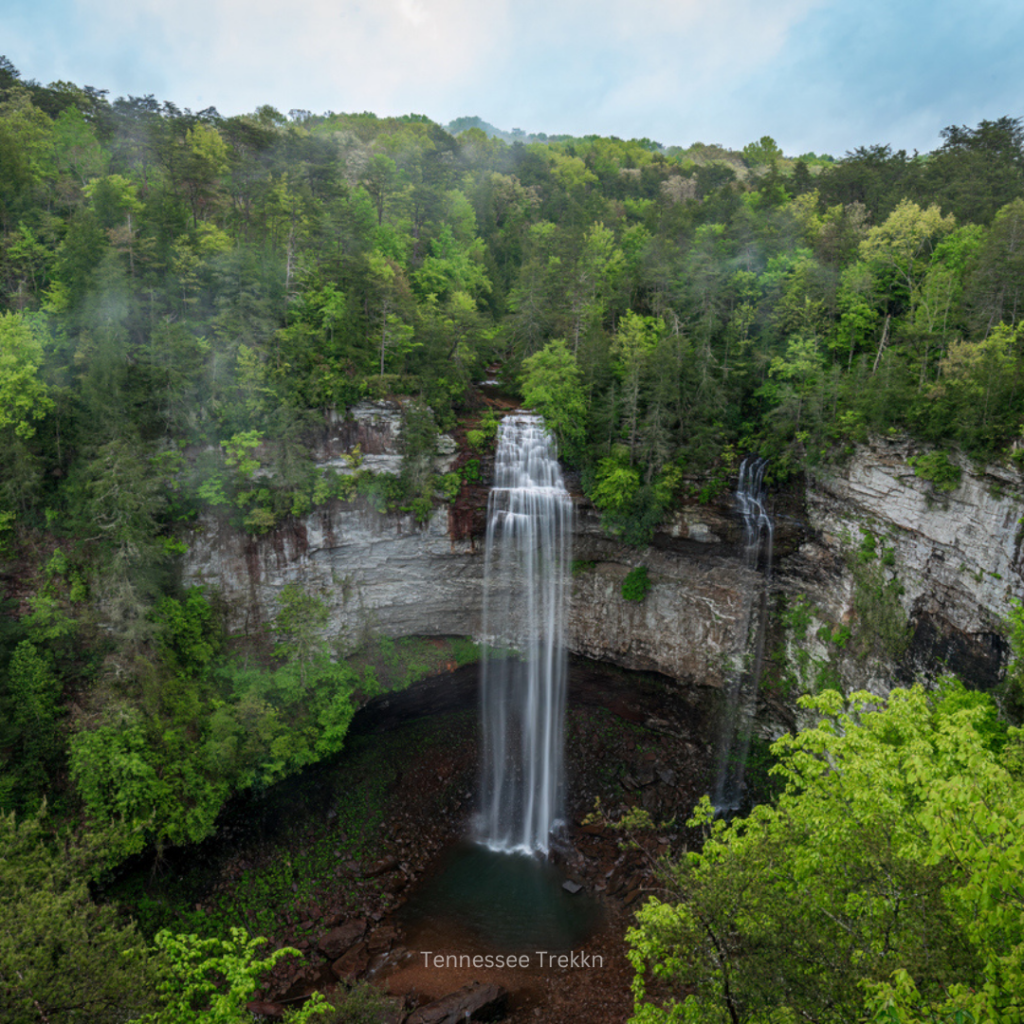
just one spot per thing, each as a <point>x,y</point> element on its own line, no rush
<point>378,573</point>
<point>955,555</point>
<point>386,574</point>
<point>693,623</point>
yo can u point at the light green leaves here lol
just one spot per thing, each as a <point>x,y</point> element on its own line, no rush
<point>885,882</point>
<point>23,397</point>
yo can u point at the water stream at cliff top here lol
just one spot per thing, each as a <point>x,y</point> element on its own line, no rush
<point>523,667</point>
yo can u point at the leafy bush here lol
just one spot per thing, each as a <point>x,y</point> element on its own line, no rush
<point>381,386</point>
<point>936,468</point>
<point>637,584</point>
<point>883,884</point>
<point>450,485</point>
<point>213,979</point>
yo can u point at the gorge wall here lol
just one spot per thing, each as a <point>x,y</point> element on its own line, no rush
<point>386,574</point>
<point>936,570</point>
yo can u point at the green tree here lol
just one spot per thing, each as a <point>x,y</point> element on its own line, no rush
<point>63,958</point>
<point>551,385</point>
<point>300,623</point>
<point>23,396</point>
<point>590,282</point>
<point>203,162</point>
<point>896,847</point>
<point>902,246</point>
<point>995,286</point>
<point>391,299</point>
<point>26,153</point>
<point>979,387</point>
<point>77,149</point>
<point>632,346</point>
<point>763,153</point>
<point>30,698</point>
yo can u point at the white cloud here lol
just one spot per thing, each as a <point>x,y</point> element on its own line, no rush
<point>380,54</point>
<point>442,57</point>
<point>813,73</point>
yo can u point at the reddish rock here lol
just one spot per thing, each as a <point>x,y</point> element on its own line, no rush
<point>304,982</point>
<point>339,940</point>
<point>352,964</point>
<point>380,940</point>
<point>474,1001</point>
<point>382,867</point>
<point>395,1011</point>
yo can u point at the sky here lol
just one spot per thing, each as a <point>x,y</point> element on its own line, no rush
<point>823,76</point>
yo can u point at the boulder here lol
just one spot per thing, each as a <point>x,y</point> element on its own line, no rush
<point>382,867</point>
<point>341,939</point>
<point>352,964</point>
<point>264,1009</point>
<point>304,982</point>
<point>380,941</point>
<point>474,1001</point>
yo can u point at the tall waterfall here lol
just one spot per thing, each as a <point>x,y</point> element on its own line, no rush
<point>523,671</point>
<point>741,688</point>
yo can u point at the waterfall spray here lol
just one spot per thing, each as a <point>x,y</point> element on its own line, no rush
<point>523,669</point>
<point>741,687</point>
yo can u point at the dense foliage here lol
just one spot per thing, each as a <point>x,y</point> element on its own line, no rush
<point>187,300</point>
<point>885,883</point>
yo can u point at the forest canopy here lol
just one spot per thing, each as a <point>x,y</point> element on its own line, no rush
<point>186,300</point>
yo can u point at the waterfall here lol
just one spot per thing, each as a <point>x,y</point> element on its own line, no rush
<point>741,687</point>
<point>758,529</point>
<point>523,669</point>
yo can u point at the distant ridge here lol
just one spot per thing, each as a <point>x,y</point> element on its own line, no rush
<point>462,124</point>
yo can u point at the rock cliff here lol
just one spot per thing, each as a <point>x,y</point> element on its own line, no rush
<point>936,569</point>
<point>940,568</point>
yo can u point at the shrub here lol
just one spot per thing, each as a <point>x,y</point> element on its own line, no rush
<point>936,468</point>
<point>636,584</point>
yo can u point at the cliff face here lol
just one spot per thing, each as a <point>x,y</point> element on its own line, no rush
<point>386,574</point>
<point>938,567</point>
<point>959,551</point>
<point>692,625</point>
<point>883,542</point>
<point>377,573</point>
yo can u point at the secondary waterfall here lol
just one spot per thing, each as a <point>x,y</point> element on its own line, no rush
<point>523,668</point>
<point>741,689</point>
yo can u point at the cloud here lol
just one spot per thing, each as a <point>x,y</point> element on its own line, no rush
<point>815,74</point>
<point>377,54</point>
<point>578,62</point>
